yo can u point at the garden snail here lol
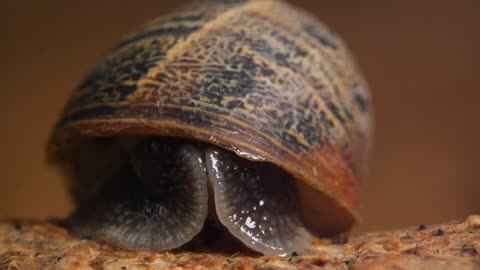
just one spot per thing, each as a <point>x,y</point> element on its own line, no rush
<point>250,113</point>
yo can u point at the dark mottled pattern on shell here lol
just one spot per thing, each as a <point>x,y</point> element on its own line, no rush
<point>116,77</point>
<point>283,77</point>
<point>236,65</point>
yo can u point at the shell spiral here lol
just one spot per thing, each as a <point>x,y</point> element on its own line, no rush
<point>261,78</point>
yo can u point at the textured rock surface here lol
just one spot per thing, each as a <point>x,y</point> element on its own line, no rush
<point>44,245</point>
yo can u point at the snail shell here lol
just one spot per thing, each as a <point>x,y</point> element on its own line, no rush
<point>251,108</point>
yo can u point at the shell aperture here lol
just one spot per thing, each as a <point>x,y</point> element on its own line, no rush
<point>161,201</point>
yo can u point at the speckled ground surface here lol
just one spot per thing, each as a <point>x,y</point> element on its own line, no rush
<point>45,245</point>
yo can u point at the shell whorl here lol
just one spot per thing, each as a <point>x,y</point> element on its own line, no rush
<point>261,78</point>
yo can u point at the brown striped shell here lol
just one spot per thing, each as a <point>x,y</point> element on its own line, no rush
<point>260,78</point>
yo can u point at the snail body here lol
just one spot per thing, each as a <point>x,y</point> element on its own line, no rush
<point>251,113</point>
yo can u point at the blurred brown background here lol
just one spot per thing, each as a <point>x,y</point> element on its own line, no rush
<point>420,58</point>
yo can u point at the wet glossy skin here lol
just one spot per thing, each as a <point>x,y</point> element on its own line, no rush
<point>160,200</point>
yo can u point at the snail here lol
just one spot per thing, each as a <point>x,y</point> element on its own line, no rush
<point>252,114</point>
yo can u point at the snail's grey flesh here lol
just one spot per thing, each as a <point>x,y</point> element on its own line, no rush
<point>161,201</point>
